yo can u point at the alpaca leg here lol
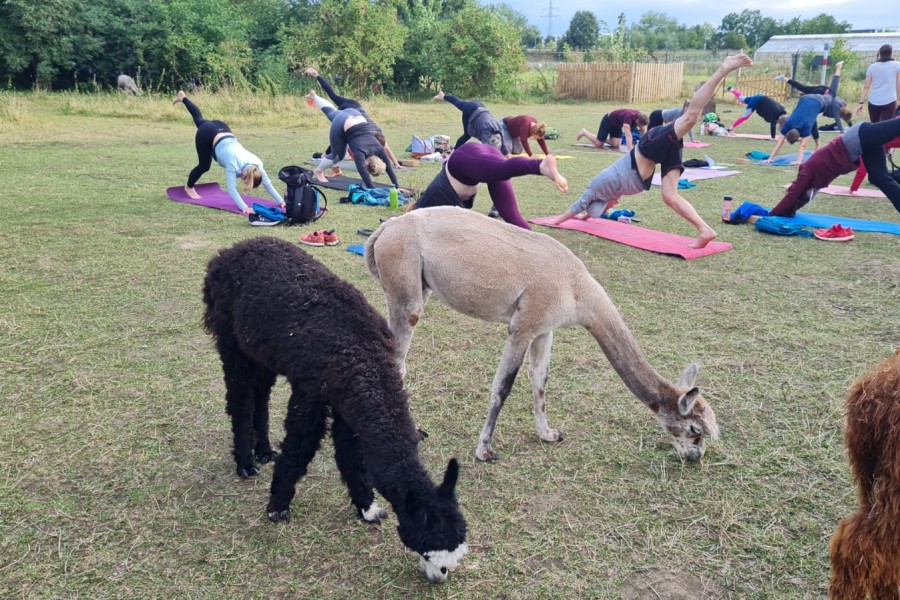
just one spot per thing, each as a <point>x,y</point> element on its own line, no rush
<point>240,375</point>
<point>538,366</point>
<point>304,428</point>
<point>504,378</point>
<point>352,464</point>
<point>849,567</point>
<point>404,311</point>
<point>263,452</point>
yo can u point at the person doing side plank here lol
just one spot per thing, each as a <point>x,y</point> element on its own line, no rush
<point>214,140</point>
<point>633,173</point>
<point>842,155</point>
<point>349,129</point>
<point>457,182</point>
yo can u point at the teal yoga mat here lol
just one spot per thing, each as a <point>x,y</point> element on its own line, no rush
<point>825,221</point>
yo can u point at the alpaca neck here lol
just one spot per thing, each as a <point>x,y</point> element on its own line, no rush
<point>603,321</point>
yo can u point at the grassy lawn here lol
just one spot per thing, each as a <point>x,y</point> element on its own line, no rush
<point>116,478</point>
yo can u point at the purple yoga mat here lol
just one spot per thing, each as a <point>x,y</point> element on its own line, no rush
<point>692,174</point>
<point>638,237</point>
<point>213,196</point>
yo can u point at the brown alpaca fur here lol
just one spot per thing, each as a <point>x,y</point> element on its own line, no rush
<point>865,550</point>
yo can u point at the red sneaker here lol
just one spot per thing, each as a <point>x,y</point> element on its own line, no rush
<point>835,233</point>
<point>330,238</point>
<point>314,238</point>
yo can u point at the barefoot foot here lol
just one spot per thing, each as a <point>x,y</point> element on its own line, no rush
<point>549,170</point>
<point>581,134</point>
<point>439,96</point>
<point>179,97</point>
<point>320,176</point>
<point>192,193</point>
<point>706,236</point>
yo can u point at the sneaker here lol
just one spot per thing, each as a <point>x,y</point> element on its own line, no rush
<point>493,213</point>
<point>330,237</point>
<point>835,233</point>
<point>779,77</point>
<point>314,238</point>
<point>258,220</point>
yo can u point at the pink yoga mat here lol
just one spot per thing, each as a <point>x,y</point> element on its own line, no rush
<point>696,145</point>
<point>843,190</point>
<point>752,136</point>
<point>638,237</point>
<point>213,196</point>
<point>693,174</point>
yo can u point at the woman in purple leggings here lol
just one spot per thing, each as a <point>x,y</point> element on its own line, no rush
<point>470,164</point>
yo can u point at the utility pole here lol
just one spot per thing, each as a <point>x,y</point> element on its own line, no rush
<point>550,14</point>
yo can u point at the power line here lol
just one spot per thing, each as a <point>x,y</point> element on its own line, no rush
<point>550,14</point>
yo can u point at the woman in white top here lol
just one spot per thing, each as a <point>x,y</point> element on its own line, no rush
<point>881,87</point>
<point>214,140</point>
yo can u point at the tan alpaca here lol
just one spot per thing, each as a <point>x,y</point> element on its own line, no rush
<point>497,272</point>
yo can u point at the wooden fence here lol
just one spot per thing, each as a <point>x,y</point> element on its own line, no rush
<point>620,82</point>
<point>750,85</point>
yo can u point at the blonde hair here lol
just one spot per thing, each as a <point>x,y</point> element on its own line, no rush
<point>781,120</point>
<point>375,166</point>
<point>251,176</point>
<point>538,129</point>
<point>846,114</point>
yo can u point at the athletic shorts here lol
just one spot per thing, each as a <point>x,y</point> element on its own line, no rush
<point>607,131</point>
<point>661,145</point>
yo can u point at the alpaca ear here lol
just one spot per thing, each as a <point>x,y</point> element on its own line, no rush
<point>448,487</point>
<point>688,376</point>
<point>687,400</point>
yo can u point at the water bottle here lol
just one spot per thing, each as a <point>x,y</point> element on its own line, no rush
<point>624,219</point>
<point>394,199</point>
<point>726,208</point>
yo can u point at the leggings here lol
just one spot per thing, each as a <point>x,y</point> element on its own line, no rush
<point>872,138</point>
<point>472,164</point>
<point>207,131</point>
<point>882,112</point>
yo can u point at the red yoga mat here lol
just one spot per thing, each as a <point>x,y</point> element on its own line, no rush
<point>638,237</point>
<point>213,196</point>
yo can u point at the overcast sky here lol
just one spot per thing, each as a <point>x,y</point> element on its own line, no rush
<point>861,15</point>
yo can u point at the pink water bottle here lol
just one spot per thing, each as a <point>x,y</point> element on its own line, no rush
<point>726,208</point>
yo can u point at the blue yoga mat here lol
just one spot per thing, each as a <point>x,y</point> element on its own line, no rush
<point>358,249</point>
<point>784,160</point>
<point>825,221</point>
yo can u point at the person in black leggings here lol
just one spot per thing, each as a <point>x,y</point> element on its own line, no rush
<point>838,107</point>
<point>214,140</point>
<point>349,129</point>
<point>477,122</point>
<point>341,103</point>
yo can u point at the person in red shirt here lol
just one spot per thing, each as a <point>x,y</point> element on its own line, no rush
<point>613,125</point>
<point>517,130</point>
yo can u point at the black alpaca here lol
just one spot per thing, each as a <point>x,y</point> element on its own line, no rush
<point>274,310</point>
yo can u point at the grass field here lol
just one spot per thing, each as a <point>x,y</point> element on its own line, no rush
<point>116,479</point>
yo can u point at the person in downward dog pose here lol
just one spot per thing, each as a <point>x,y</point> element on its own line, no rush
<point>833,110</point>
<point>633,173</point>
<point>862,144</point>
<point>214,140</point>
<point>341,103</point>
<point>770,110</point>
<point>457,182</point>
<point>350,129</point>
<point>477,122</point>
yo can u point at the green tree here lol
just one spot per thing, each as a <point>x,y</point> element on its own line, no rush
<point>530,35</point>
<point>475,52</point>
<point>823,23</point>
<point>750,24</point>
<point>353,39</point>
<point>583,32</point>
<point>733,40</point>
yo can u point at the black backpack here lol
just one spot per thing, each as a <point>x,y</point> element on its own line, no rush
<point>304,202</point>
